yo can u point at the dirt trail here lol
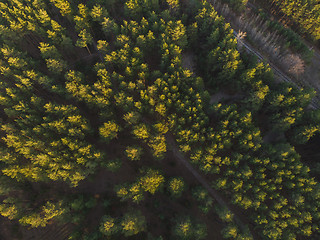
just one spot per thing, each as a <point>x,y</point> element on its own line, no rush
<point>310,77</point>
<point>204,183</point>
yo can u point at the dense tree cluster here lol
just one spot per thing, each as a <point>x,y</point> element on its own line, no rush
<point>304,14</point>
<point>104,85</point>
<point>237,5</point>
<point>292,39</point>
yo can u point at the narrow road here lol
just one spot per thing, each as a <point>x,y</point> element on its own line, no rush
<point>314,104</point>
<point>174,148</point>
<point>277,71</point>
<point>309,45</point>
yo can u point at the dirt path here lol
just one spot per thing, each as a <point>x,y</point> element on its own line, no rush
<point>174,148</point>
<point>222,96</point>
<point>188,61</point>
<point>282,76</point>
<point>273,136</point>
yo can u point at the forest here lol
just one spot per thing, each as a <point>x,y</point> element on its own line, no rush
<point>302,15</point>
<point>144,119</point>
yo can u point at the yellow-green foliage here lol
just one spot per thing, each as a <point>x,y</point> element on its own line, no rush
<point>133,223</point>
<point>133,153</point>
<point>176,186</point>
<point>109,130</point>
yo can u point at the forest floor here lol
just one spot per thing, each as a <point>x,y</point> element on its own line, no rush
<point>188,61</point>
<point>12,230</point>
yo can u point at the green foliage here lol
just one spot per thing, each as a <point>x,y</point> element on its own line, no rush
<point>141,131</point>
<point>109,226</point>
<point>305,14</point>
<point>9,210</point>
<point>133,223</point>
<point>291,102</point>
<point>134,153</point>
<point>176,186</point>
<point>112,165</point>
<point>98,13</point>
<point>173,4</point>
<point>85,38</point>
<point>230,232</point>
<point>184,228</point>
<point>48,212</point>
<point>237,5</point>
<point>135,90</point>
<point>220,64</point>
<point>303,134</point>
<point>109,131</point>
<point>64,7</point>
<point>294,41</point>
<point>205,202</point>
<point>152,181</point>
<point>224,214</point>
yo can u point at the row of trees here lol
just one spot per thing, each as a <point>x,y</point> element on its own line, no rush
<point>304,14</point>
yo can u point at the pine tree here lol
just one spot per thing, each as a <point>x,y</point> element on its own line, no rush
<point>133,223</point>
